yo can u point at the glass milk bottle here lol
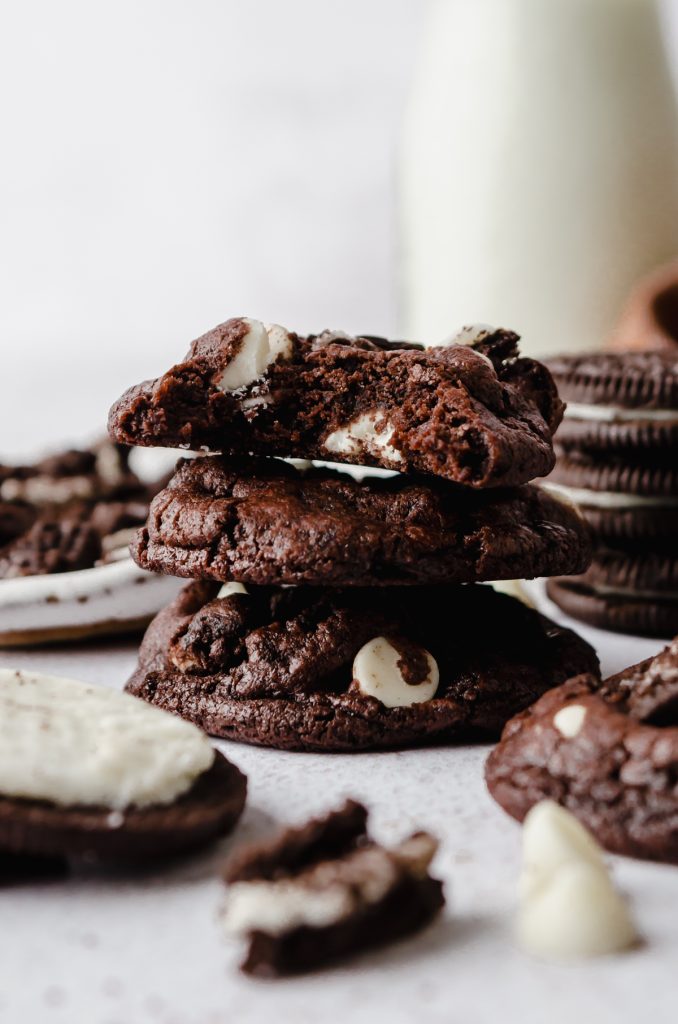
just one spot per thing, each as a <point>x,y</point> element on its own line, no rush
<point>538,173</point>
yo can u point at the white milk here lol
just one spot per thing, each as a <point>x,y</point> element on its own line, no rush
<point>538,169</point>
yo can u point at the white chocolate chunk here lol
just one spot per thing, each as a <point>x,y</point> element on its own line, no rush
<point>259,347</point>
<point>577,913</point>
<point>470,334</point>
<point>377,674</point>
<point>553,837</point>
<point>231,588</point>
<point>361,434</point>
<point>70,743</point>
<point>569,720</point>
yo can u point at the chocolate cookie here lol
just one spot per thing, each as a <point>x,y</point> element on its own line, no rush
<point>477,415</point>
<point>326,891</point>
<point>608,752</point>
<point>342,670</point>
<point>85,773</point>
<point>619,403</point>
<point>262,521</point>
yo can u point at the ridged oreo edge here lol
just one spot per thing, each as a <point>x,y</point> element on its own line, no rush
<point>628,570</point>
<point>619,477</point>
<point>633,526</point>
<point>638,616</point>
<point>641,439</point>
<point>629,379</point>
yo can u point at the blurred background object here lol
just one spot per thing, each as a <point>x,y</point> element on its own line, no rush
<point>649,318</point>
<point>539,167</point>
<point>169,164</point>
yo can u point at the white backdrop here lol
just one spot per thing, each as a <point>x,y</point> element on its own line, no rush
<point>169,163</point>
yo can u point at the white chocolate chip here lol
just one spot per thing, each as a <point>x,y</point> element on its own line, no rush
<point>470,334</point>
<point>569,720</point>
<point>553,837</point>
<point>259,347</point>
<point>377,674</point>
<point>361,434</point>
<point>577,913</point>
<point>231,588</point>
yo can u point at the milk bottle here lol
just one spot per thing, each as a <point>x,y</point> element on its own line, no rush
<point>538,171</point>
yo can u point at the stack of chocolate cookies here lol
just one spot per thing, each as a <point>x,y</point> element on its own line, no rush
<point>618,460</point>
<point>335,610</point>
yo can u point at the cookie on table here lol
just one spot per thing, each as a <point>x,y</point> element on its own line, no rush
<point>475,414</point>
<point>607,752</point>
<point>65,527</point>
<point>263,521</point>
<point>87,772</point>
<point>326,891</point>
<point>361,668</point>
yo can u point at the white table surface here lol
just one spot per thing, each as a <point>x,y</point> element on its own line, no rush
<point>148,950</point>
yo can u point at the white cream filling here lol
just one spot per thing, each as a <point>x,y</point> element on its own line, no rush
<point>615,414</point>
<point>69,743</point>
<point>325,893</point>
<point>609,499</point>
<point>376,673</point>
<point>361,434</point>
<point>260,346</point>
<point>118,592</point>
<point>231,588</point>
<point>44,490</point>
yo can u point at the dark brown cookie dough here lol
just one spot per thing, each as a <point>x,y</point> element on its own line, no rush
<point>274,666</point>
<point>208,810</point>
<point>326,891</point>
<point>478,416</point>
<point>608,752</point>
<point>262,521</point>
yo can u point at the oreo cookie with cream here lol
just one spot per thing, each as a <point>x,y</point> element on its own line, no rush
<point>65,526</point>
<point>87,772</point>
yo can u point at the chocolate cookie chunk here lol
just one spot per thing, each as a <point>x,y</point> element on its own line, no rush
<point>262,521</point>
<point>608,752</point>
<point>476,415</point>
<point>86,773</point>
<point>327,891</point>
<point>343,670</point>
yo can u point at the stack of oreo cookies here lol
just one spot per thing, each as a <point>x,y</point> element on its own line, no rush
<point>617,454</point>
<point>341,610</point>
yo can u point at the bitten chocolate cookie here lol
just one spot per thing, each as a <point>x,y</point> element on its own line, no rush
<point>477,415</point>
<point>619,402</point>
<point>65,527</point>
<point>327,891</point>
<point>608,752</point>
<point>343,670</point>
<point>262,521</point>
<point>92,773</point>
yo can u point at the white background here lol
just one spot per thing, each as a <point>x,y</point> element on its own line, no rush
<point>166,164</point>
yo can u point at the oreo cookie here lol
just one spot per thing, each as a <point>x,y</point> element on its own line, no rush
<point>90,773</point>
<point>607,752</point>
<point>326,891</point>
<point>652,615</point>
